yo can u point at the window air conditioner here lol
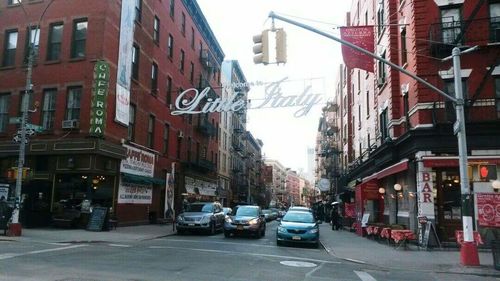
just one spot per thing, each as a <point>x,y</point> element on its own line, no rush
<point>70,124</point>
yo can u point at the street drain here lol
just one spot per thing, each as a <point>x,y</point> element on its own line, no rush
<point>298,263</point>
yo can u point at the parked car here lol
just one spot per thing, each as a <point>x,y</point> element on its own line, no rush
<point>300,208</point>
<point>227,210</point>
<point>274,213</point>
<point>298,227</point>
<point>204,216</point>
<point>267,214</point>
<point>245,220</point>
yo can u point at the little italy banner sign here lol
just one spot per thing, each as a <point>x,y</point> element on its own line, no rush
<point>186,103</point>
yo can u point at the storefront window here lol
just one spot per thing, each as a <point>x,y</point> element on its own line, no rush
<point>71,190</point>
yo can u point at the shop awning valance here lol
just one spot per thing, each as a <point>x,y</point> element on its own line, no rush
<point>394,169</point>
<point>142,179</point>
<point>452,161</point>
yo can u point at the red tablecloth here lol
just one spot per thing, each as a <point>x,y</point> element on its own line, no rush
<point>459,235</point>
<point>369,230</point>
<point>385,232</point>
<point>401,235</point>
<point>376,230</point>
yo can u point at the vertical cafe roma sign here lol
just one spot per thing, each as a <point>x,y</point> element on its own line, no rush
<point>99,94</point>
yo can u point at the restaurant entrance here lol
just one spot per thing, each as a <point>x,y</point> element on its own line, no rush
<point>449,211</point>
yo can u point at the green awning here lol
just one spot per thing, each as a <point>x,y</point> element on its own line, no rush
<point>352,184</point>
<point>142,179</point>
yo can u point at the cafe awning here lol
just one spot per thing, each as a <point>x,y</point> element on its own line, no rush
<point>391,170</point>
<point>142,179</point>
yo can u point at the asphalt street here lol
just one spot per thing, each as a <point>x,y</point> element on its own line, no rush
<point>192,257</point>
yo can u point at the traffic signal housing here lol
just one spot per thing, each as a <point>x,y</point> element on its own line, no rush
<point>280,46</point>
<point>261,47</point>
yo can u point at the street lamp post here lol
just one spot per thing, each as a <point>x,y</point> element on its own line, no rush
<point>15,228</point>
<point>468,252</point>
<point>397,188</point>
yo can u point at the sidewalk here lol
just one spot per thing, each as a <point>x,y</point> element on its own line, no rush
<point>349,246</point>
<point>126,234</point>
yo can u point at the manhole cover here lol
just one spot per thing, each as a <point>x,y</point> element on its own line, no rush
<point>298,263</point>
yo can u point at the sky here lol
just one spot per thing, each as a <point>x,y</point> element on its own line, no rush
<point>312,65</point>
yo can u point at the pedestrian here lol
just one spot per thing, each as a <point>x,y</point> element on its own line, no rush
<point>5,214</point>
<point>334,214</point>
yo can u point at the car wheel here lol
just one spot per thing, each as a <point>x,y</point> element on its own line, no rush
<point>263,233</point>
<point>279,243</point>
<point>180,232</point>
<point>258,234</point>
<point>227,234</point>
<point>316,245</point>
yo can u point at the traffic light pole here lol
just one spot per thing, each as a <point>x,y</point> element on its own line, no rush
<point>468,252</point>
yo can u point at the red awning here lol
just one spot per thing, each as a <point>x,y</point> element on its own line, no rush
<point>391,170</point>
<point>452,161</point>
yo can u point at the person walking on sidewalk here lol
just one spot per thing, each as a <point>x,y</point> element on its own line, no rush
<point>334,215</point>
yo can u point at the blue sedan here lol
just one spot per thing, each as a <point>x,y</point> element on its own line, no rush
<point>298,227</point>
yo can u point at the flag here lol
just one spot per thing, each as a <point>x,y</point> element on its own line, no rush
<point>363,37</point>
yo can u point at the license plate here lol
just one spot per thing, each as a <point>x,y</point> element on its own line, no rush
<point>191,224</point>
<point>295,237</point>
<point>239,227</point>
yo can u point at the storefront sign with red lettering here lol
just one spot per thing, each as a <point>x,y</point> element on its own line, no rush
<point>488,209</point>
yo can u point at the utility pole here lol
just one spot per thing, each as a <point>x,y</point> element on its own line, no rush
<point>468,252</point>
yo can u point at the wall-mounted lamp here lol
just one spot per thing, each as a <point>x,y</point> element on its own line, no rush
<point>381,190</point>
<point>496,185</point>
<point>397,187</point>
<point>411,194</point>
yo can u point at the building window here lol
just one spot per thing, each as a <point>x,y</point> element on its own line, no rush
<point>404,51</point>
<point>359,116</point>
<point>154,79</point>
<point>181,61</point>
<point>10,46</point>
<point>151,131</point>
<point>135,62</point>
<point>380,17</point>
<point>169,90</point>
<point>13,2</point>
<point>367,104</point>
<point>384,129</point>
<point>170,46</point>
<point>166,135</point>
<point>183,24</point>
<point>4,112</point>
<point>32,41</point>
<point>495,22</point>
<point>189,146</point>
<point>192,38</point>
<point>497,95</point>
<point>26,100</point>
<point>201,49</point>
<point>55,40</point>
<point>79,38</point>
<point>406,109</point>
<point>449,88</point>
<point>451,24</point>
<point>131,123</point>
<point>381,71</point>
<point>191,73</point>
<point>172,8</point>
<point>73,103</point>
<point>138,10</point>
<point>156,30</point>
<point>49,108</point>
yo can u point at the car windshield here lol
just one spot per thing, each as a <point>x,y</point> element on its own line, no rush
<point>245,211</point>
<point>205,208</point>
<point>299,217</point>
<point>266,211</point>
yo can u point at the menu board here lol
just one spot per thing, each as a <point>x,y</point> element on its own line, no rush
<point>97,219</point>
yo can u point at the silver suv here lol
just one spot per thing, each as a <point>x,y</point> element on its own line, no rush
<point>204,216</point>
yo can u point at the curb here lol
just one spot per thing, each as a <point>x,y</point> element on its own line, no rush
<point>332,253</point>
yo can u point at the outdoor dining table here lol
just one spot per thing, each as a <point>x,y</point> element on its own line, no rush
<point>385,232</point>
<point>401,236</point>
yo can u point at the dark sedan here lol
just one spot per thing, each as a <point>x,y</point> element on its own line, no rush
<point>298,227</point>
<point>245,220</point>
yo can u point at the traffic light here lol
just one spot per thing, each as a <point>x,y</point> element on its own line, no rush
<point>487,172</point>
<point>261,47</point>
<point>12,173</point>
<point>280,46</point>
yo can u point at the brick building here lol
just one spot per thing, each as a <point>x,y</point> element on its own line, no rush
<point>153,50</point>
<point>403,130</point>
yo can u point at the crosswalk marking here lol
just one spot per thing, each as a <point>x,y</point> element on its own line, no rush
<point>13,255</point>
<point>364,276</point>
<point>119,245</point>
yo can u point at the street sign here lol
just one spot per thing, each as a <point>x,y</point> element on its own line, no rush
<point>34,127</point>
<point>17,138</point>
<point>29,132</point>
<point>456,127</point>
<point>15,120</point>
